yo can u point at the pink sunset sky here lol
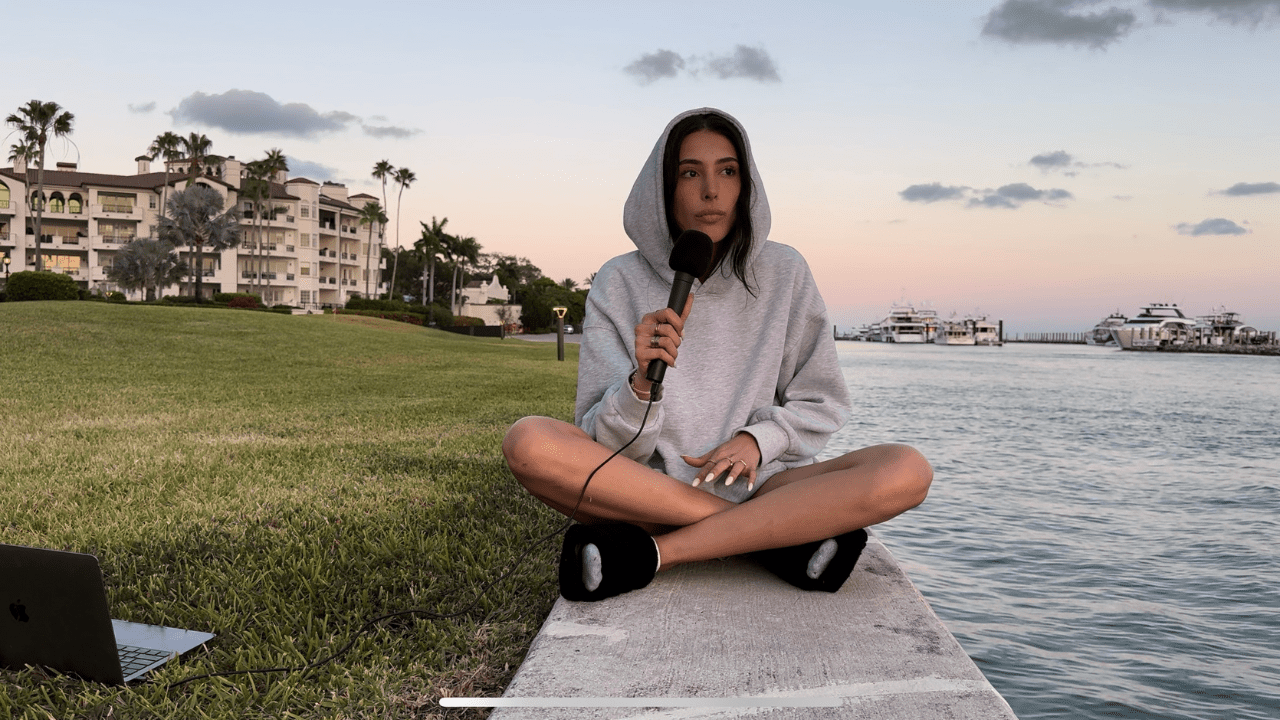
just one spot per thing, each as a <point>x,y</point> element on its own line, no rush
<point>1044,162</point>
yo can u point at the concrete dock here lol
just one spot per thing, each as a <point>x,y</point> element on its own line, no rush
<point>727,639</point>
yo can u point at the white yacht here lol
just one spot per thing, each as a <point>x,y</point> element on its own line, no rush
<point>954,332</point>
<point>985,332</point>
<point>1223,327</point>
<point>904,325</point>
<point>1158,325</point>
<point>1101,333</point>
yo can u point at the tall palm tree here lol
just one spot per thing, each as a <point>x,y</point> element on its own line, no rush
<point>196,218</point>
<point>381,171</point>
<point>263,173</point>
<point>462,250</point>
<point>257,188</point>
<point>36,121</point>
<point>404,177</point>
<point>195,147</point>
<point>166,147</point>
<point>430,245</point>
<point>370,215</point>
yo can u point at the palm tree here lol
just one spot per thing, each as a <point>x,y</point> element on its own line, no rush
<point>431,244</point>
<point>196,218</point>
<point>257,188</point>
<point>404,177</point>
<point>381,171</point>
<point>370,214</point>
<point>261,173</point>
<point>165,147</point>
<point>195,147</point>
<point>147,264</point>
<point>36,121</point>
<point>461,249</point>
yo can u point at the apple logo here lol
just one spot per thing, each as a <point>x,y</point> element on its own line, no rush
<point>19,611</point>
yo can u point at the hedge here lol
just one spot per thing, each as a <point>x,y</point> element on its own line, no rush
<point>41,285</point>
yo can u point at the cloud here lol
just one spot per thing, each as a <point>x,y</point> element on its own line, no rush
<point>310,170</point>
<point>752,63</point>
<point>384,131</point>
<point>932,192</point>
<point>143,108</point>
<point>1051,21</point>
<point>244,112</point>
<point>655,66</point>
<point>746,62</point>
<point>1055,159</point>
<point>1065,162</point>
<point>1236,12</point>
<point>1013,196</point>
<point>1212,226</point>
<point>1261,188</point>
<point>1010,196</point>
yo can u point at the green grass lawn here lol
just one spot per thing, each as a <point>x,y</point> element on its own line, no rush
<point>278,480</point>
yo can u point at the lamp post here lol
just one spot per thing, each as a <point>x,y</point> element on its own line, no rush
<point>7,260</point>
<point>560,311</point>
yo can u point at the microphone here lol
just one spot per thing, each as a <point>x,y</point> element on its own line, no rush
<point>691,259</point>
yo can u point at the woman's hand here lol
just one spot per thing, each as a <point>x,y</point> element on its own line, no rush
<point>667,328</point>
<point>740,457</point>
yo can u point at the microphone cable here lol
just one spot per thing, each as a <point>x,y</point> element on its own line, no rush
<point>427,613</point>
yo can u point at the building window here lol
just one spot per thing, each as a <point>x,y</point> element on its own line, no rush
<point>152,202</point>
<point>306,297</point>
<point>304,269</point>
<point>75,204</point>
<point>306,211</point>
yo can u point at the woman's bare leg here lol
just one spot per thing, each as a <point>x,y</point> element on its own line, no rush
<point>814,502</point>
<point>552,459</point>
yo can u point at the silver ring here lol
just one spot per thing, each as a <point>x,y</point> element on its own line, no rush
<point>655,341</point>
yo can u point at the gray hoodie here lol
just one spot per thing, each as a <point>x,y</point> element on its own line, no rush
<point>763,364</point>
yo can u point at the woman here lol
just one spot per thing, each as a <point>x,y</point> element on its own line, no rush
<point>722,458</point>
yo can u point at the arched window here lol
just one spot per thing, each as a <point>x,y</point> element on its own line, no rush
<point>35,201</point>
<point>57,203</point>
<point>75,203</point>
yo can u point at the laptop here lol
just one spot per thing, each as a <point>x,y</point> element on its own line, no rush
<point>53,612</point>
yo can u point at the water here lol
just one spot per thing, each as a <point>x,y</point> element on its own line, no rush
<point>1101,534</point>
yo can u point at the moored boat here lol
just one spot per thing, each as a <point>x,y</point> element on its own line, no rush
<point>1101,333</point>
<point>1158,325</point>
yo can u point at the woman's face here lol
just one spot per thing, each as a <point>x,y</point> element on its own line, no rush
<point>707,184</point>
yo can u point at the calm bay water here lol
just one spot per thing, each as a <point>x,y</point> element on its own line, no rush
<point>1101,534</point>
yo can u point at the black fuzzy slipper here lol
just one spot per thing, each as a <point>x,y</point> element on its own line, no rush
<point>628,558</point>
<point>792,563</point>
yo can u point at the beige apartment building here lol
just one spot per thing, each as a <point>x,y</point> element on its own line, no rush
<point>309,251</point>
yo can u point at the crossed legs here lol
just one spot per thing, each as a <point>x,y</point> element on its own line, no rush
<point>552,459</point>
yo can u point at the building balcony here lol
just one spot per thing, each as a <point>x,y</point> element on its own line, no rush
<point>118,211</point>
<point>8,207</point>
<point>109,242</point>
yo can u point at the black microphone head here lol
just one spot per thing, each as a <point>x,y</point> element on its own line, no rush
<point>692,253</point>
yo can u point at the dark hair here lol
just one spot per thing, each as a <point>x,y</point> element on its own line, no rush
<point>737,244</point>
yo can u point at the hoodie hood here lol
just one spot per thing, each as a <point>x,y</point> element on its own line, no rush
<point>644,217</point>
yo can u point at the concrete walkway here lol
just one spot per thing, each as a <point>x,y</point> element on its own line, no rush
<point>727,639</point>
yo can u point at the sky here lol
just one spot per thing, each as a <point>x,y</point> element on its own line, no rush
<point>1043,162</point>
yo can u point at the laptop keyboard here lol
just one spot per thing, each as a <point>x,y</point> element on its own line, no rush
<point>133,659</point>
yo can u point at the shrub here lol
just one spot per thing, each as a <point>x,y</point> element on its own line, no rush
<point>464,321</point>
<point>228,297</point>
<point>440,315</point>
<point>241,301</point>
<point>33,285</point>
<point>116,296</point>
<point>181,300</point>
<point>359,303</point>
